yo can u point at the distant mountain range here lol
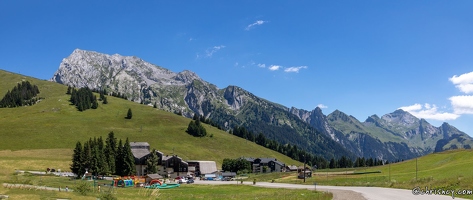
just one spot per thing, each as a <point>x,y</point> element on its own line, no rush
<point>394,136</point>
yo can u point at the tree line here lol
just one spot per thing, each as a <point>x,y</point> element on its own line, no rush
<point>196,129</point>
<point>103,158</point>
<point>238,165</point>
<point>23,94</point>
<point>83,98</point>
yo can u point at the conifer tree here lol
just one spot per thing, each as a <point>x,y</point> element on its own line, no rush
<point>119,159</point>
<point>77,161</point>
<point>152,163</point>
<point>105,101</point>
<point>129,159</point>
<point>86,156</point>
<point>129,114</point>
<point>111,151</point>
<point>95,104</point>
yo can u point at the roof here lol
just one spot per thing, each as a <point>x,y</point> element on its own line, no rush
<point>267,160</point>
<point>138,144</point>
<point>292,167</point>
<point>248,159</point>
<point>174,156</point>
<point>154,176</point>
<point>207,167</point>
<point>140,153</point>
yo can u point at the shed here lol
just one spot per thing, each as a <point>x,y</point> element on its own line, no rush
<point>151,177</point>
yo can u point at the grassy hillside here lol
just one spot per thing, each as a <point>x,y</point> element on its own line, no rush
<point>55,124</point>
<point>447,170</point>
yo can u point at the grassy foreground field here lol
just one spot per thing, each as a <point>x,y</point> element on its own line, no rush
<point>447,170</point>
<point>41,159</point>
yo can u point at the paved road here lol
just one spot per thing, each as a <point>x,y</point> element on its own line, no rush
<point>369,193</point>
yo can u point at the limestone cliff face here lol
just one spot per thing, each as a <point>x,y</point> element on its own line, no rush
<point>139,80</point>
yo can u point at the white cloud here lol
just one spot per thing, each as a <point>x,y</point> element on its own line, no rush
<point>257,23</point>
<point>429,111</point>
<point>295,69</point>
<point>463,82</point>
<point>274,67</point>
<point>209,52</point>
<point>322,106</point>
<point>262,65</point>
<point>236,64</point>
<point>462,104</point>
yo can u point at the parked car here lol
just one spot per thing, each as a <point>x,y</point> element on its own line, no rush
<point>189,181</point>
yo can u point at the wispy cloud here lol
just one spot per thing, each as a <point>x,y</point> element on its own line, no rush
<point>322,106</point>
<point>429,111</point>
<point>295,69</point>
<point>262,65</point>
<point>257,23</point>
<point>210,51</point>
<point>274,67</point>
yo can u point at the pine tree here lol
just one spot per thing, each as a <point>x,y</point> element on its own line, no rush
<point>102,161</point>
<point>105,101</point>
<point>152,163</point>
<point>95,104</point>
<point>111,151</point>
<point>119,159</point>
<point>155,106</point>
<point>68,90</point>
<point>129,159</point>
<point>94,162</point>
<point>129,114</point>
<point>86,156</point>
<point>76,166</point>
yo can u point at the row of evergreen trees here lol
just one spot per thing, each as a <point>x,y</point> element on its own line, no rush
<point>345,162</point>
<point>103,158</point>
<point>196,129</point>
<point>21,95</point>
<point>289,150</point>
<point>83,98</point>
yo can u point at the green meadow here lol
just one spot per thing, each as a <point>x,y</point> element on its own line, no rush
<point>55,124</point>
<point>447,170</point>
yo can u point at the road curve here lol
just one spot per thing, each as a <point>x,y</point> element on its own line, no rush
<point>369,193</point>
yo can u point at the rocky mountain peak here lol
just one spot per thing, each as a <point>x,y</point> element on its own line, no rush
<point>338,115</point>
<point>401,117</point>
<point>187,76</point>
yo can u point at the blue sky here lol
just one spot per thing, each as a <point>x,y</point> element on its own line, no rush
<point>361,57</point>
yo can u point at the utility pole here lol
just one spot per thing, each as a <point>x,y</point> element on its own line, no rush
<point>416,169</point>
<point>304,168</point>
